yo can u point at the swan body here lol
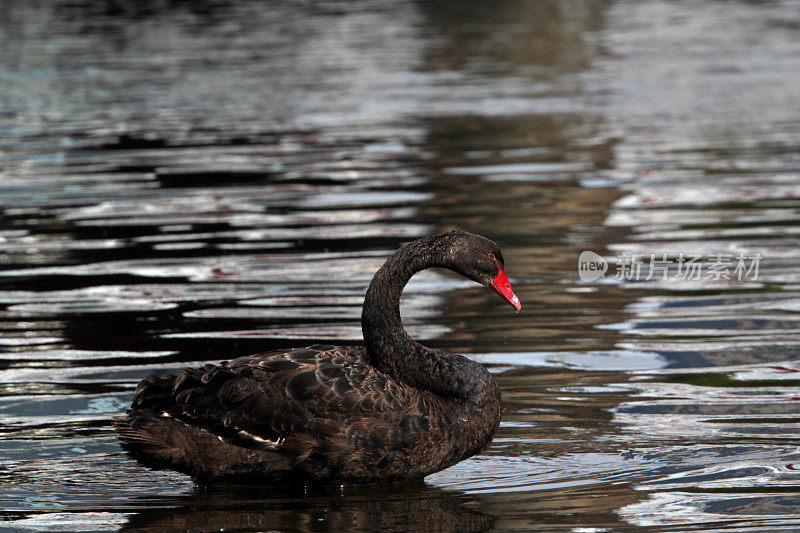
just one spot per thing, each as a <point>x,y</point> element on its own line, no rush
<point>390,410</point>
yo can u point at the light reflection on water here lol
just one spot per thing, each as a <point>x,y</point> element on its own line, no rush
<point>190,184</point>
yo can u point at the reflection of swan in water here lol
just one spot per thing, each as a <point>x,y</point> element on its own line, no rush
<point>389,507</point>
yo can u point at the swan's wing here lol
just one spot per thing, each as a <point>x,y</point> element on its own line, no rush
<point>318,399</point>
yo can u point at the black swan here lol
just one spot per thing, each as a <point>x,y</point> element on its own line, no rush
<point>390,410</point>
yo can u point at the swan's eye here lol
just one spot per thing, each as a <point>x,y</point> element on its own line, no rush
<point>490,255</point>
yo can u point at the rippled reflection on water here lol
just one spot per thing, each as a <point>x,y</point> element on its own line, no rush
<point>215,179</point>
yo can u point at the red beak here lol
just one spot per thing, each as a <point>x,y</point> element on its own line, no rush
<point>503,287</point>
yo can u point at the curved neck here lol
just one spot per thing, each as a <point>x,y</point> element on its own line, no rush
<point>392,350</point>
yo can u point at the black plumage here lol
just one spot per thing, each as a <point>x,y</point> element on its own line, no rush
<point>392,409</point>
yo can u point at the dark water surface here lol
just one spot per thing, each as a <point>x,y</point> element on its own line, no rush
<point>195,181</point>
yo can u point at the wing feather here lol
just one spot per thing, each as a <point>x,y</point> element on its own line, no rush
<point>320,399</point>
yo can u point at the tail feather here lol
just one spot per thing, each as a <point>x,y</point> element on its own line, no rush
<point>151,441</point>
<point>165,443</point>
<point>204,448</point>
<point>139,431</point>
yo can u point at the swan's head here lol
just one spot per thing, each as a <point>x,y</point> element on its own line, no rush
<point>479,259</point>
